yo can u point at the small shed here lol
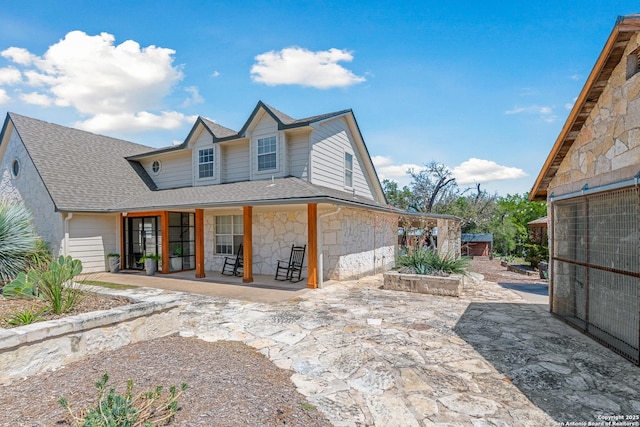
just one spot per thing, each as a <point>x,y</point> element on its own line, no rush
<point>479,244</point>
<point>538,230</point>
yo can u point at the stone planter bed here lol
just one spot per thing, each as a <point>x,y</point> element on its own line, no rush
<point>436,285</point>
<point>33,348</point>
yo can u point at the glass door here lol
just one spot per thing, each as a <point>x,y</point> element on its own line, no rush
<point>142,237</point>
<point>182,238</point>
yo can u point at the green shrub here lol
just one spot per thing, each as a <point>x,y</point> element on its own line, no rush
<point>54,285</point>
<point>26,316</point>
<point>428,262</point>
<point>536,253</point>
<point>41,257</point>
<point>17,239</point>
<point>125,410</point>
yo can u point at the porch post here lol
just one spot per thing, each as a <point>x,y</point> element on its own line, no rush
<point>164,227</point>
<point>247,241</point>
<point>199,243</point>
<point>312,244</point>
<point>122,237</point>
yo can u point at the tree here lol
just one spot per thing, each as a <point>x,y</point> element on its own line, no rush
<point>432,188</point>
<point>510,223</point>
<point>396,197</point>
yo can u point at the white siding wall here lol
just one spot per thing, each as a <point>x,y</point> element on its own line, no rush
<point>91,238</point>
<point>175,170</point>
<point>330,141</point>
<point>205,140</point>
<point>298,146</point>
<point>266,126</point>
<point>28,188</point>
<point>235,162</point>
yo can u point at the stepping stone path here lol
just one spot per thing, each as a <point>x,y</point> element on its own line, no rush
<point>366,356</point>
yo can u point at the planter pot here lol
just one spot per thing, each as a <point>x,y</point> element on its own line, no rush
<point>114,264</point>
<point>150,266</point>
<point>176,264</point>
<point>436,285</point>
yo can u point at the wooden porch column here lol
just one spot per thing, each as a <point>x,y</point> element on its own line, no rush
<point>164,227</point>
<point>199,243</point>
<point>312,244</point>
<point>247,242</point>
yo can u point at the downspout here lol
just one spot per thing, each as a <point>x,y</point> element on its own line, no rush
<point>66,233</point>
<point>321,246</point>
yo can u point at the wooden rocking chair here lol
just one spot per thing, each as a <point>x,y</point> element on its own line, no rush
<point>235,264</point>
<point>288,270</point>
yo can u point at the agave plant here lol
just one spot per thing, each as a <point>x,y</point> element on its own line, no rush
<point>17,239</point>
<point>423,261</point>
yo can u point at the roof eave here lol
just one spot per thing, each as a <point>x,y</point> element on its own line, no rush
<point>581,109</point>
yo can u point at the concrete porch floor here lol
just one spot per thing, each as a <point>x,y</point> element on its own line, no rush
<point>262,289</point>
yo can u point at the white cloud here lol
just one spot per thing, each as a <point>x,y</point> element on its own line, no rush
<point>479,171</point>
<point>9,76</point>
<point>394,172</point>
<point>569,105</point>
<point>544,113</point>
<point>195,97</point>
<point>575,77</point>
<point>19,55</point>
<point>3,96</point>
<point>215,74</point>
<point>103,80</point>
<point>139,121</point>
<point>36,98</point>
<point>298,66</point>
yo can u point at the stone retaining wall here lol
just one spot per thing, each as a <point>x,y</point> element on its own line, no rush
<point>450,286</point>
<point>34,348</point>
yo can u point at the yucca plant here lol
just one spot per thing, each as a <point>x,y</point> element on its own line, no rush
<point>429,262</point>
<point>17,239</point>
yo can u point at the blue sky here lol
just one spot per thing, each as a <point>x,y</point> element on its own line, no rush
<point>483,87</point>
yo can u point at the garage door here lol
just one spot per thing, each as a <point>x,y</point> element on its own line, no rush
<point>91,238</point>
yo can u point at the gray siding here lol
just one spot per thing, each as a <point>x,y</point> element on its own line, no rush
<point>331,139</point>
<point>298,146</point>
<point>235,162</point>
<point>266,126</point>
<point>175,170</point>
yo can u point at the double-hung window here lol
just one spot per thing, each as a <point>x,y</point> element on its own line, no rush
<point>229,234</point>
<point>205,163</point>
<point>267,149</point>
<point>348,170</point>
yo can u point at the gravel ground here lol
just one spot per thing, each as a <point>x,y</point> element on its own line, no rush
<point>229,384</point>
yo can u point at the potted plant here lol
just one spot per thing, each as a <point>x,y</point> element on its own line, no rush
<point>176,258</point>
<point>150,263</point>
<point>114,262</point>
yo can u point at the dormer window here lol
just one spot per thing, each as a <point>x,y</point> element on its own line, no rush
<point>205,163</point>
<point>267,149</point>
<point>633,63</point>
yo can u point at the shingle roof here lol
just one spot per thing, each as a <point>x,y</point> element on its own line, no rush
<point>81,170</point>
<point>277,191</point>
<point>217,130</point>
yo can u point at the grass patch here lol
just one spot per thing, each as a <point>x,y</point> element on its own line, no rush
<point>307,406</point>
<point>109,285</point>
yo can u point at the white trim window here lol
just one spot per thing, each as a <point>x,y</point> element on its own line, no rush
<point>205,163</point>
<point>229,234</point>
<point>267,153</point>
<point>348,170</point>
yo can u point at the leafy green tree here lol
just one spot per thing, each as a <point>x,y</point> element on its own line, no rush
<point>399,198</point>
<point>510,224</point>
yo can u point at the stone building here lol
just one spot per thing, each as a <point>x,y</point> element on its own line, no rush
<point>276,182</point>
<point>590,181</point>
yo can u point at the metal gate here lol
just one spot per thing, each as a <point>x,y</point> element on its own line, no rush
<point>596,272</point>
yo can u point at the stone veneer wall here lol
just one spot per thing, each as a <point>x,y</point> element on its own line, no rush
<point>355,242</point>
<point>358,243</point>
<point>28,187</point>
<point>27,350</point>
<point>607,149</point>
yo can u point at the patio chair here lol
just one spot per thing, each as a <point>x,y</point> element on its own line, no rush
<point>234,264</point>
<point>288,270</point>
